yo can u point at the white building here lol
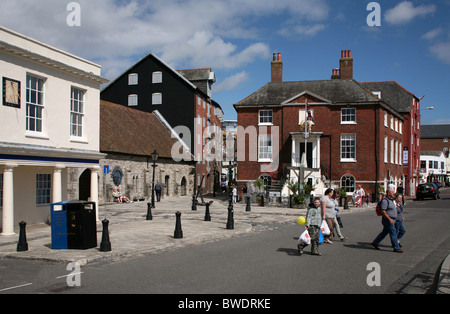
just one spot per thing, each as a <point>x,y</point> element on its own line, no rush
<point>433,166</point>
<point>49,115</point>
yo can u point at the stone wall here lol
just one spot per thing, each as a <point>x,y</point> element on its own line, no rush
<point>136,174</point>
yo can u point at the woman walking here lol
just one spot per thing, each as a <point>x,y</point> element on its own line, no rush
<point>328,213</point>
<point>399,220</point>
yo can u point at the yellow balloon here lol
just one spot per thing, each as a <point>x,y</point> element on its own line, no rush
<point>301,220</point>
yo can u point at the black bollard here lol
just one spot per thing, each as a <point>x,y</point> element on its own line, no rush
<point>178,234</point>
<point>105,245</point>
<point>248,208</point>
<point>262,198</point>
<point>207,215</point>
<point>149,211</point>
<point>346,203</point>
<point>194,203</point>
<point>22,246</point>
<point>230,220</point>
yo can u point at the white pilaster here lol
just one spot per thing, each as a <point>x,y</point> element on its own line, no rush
<point>57,184</point>
<point>94,188</point>
<point>8,200</point>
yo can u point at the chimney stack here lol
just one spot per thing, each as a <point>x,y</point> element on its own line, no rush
<point>335,75</point>
<point>346,65</point>
<point>277,68</point>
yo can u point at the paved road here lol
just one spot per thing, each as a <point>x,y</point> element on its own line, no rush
<point>265,261</point>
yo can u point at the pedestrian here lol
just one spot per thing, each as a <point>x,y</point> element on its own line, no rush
<point>401,190</point>
<point>158,189</point>
<point>389,215</point>
<point>359,195</point>
<point>224,186</point>
<point>328,213</point>
<point>313,222</point>
<point>335,219</point>
<point>234,194</point>
<point>399,227</point>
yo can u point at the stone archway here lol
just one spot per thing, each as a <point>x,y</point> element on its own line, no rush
<point>84,185</point>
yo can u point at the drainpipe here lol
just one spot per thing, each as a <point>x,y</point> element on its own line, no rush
<point>376,150</point>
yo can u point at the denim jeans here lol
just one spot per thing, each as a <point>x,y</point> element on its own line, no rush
<point>388,228</point>
<point>400,229</point>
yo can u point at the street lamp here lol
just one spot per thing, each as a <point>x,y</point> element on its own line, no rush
<point>155,156</point>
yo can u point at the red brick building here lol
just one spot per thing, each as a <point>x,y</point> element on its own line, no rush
<point>355,138</point>
<point>408,105</point>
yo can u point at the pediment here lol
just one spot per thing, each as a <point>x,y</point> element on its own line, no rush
<point>306,96</point>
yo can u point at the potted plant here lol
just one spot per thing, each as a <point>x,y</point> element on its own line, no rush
<point>342,195</point>
<point>260,187</point>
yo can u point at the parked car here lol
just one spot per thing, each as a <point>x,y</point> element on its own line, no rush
<point>427,190</point>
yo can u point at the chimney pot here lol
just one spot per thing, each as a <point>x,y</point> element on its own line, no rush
<point>346,65</point>
<point>277,68</point>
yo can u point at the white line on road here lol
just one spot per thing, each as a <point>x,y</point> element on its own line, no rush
<point>16,287</point>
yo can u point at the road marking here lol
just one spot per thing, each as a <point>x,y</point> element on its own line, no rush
<point>71,274</point>
<point>16,287</point>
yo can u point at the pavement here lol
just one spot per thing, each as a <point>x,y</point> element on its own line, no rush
<point>131,235</point>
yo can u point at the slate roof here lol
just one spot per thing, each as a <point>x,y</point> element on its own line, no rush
<point>334,91</point>
<point>392,93</point>
<point>129,131</point>
<point>435,131</point>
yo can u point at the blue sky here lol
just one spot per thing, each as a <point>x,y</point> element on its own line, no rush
<point>236,38</point>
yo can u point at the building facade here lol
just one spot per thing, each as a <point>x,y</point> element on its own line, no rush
<point>435,138</point>
<point>128,137</point>
<point>408,105</point>
<point>352,137</point>
<point>50,124</point>
<point>183,98</point>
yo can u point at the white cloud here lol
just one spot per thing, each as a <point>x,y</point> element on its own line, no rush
<point>432,34</point>
<point>442,51</point>
<point>405,12</point>
<point>222,34</point>
<point>303,30</point>
<point>231,82</point>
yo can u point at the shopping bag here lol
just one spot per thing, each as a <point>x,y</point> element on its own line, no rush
<point>305,238</point>
<point>324,228</point>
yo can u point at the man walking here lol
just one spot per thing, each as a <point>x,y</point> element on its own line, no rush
<point>158,189</point>
<point>389,214</point>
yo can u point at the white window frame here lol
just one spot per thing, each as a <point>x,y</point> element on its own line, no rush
<point>133,100</point>
<point>35,104</point>
<point>157,99</point>
<point>348,115</point>
<point>385,119</point>
<point>396,152</point>
<point>262,117</point>
<point>77,96</point>
<point>157,77</point>
<point>392,150</point>
<point>348,178</point>
<point>43,189</point>
<point>133,79</point>
<point>345,138</point>
<point>386,144</point>
<point>265,151</point>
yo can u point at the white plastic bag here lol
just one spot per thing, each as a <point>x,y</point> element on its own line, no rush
<point>324,228</point>
<point>305,238</point>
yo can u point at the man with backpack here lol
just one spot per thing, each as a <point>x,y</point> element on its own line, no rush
<point>389,214</point>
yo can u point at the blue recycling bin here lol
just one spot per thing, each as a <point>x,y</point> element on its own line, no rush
<point>73,225</point>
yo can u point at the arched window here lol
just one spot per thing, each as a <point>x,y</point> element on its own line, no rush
<point>348,182</point>
<point>267,179</point>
